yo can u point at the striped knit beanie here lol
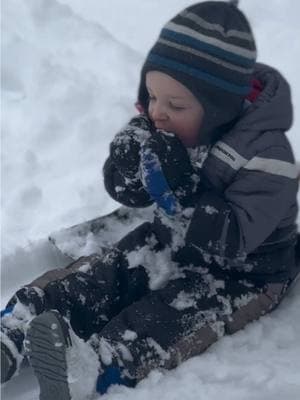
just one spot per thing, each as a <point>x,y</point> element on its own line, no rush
<point>210,49</point>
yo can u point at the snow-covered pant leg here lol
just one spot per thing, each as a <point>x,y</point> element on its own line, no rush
<point>93,295</point>
<point>30,300</point>
<point>180,321</point>
<point>88,292</point>
<point>90,300</point>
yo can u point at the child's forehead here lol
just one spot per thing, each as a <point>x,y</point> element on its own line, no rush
<point>159,81</point>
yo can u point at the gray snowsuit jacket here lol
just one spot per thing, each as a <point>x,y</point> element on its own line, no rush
<point>250,228</point>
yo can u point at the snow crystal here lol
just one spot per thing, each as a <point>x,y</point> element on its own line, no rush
<point>178,224</point>
<point>226,302</point>
<point>244,299</point>
<point>220,260</point>
<point>158,265</point>
<point>85,267</point>
<point>82,298</point>
<point>183,300</point>
<point>246,283</point>
<point>129,335</point>
<point>210,210</point>
<point>164,355</point>
<point>219,328</point>
<point>213,284</point>
<point>106,351</point>
<point>83,368</point>
<point>247,267</point>
<point>103,317</point>
<point>125,352</point>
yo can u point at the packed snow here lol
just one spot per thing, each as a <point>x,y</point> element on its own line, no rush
<point>70,71</point>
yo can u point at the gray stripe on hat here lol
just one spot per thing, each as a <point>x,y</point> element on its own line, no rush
<point>228,155</point>
<point>206,56</point>
<point>272,166</point>
<point>251,55</point>
<point>216,27</point>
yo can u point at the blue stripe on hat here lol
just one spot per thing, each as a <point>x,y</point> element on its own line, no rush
<point>211,79</point>
<point>211,49</point>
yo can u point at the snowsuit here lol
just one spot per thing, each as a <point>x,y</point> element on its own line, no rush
<point>235,263</point>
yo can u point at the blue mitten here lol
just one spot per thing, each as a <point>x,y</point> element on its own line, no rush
<point>167,173</point>
<point>155,182</point>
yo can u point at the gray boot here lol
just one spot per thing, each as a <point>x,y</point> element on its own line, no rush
<point>46,344</point>
<point>8,363</point>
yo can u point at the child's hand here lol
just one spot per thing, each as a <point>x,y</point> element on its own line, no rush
<point>167,173</point>
<point>125,148</point>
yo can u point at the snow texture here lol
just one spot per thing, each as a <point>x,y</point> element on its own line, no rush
<point>70,70</point>
<point>82,362</point>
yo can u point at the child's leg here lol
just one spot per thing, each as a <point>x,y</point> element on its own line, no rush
<point>89,292</point>
<point>30,300</point>
<point>162,329</point>
<point>90,299</point>
<point>180,321</point>
<point>26,303</point>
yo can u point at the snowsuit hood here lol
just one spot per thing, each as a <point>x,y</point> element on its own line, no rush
<point>253,167</point>
<point>272,110</point>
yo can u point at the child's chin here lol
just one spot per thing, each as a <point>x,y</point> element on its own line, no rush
<point>189,142</point>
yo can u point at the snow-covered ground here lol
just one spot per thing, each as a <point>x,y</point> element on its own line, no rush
<point>70,70</point>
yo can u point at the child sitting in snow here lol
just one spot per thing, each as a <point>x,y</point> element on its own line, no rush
<point>209,152</point>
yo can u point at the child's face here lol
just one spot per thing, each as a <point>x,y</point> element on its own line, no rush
<point>173,108</point>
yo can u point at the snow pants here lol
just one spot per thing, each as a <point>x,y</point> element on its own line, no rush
<point>111,306</point>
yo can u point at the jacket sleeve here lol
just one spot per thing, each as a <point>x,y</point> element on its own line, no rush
<point>129,192</point>
<point>234,223</point>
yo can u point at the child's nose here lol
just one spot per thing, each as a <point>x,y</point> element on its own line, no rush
<point>159,112</point>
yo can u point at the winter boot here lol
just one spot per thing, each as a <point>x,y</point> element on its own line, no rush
<point>8,363</point>
<point>66,367</point>
<point>11,341</point>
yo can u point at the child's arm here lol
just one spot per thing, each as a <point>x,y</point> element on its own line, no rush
<point>234,224</point>
<point>121,169</point>
<point>231,224</point>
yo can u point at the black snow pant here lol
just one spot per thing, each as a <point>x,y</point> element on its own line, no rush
<point>110,305</point>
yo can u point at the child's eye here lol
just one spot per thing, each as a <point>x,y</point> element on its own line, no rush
<point>171,105</point>
<point>177,108</point>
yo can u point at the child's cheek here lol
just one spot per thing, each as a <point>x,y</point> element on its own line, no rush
<point>187,136</point>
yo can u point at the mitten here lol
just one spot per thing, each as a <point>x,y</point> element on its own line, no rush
<point>167,173</point>
<point>32,297</point>
<point>125,148</point>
